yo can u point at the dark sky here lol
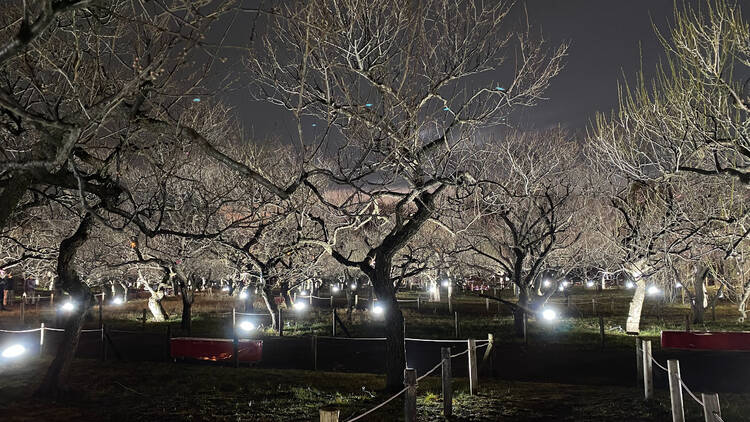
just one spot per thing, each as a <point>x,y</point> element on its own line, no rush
<point>606,39</point>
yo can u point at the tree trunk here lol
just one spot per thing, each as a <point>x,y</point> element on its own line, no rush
<point>701,299</point>
<point>395,350</point>
<point>285,293</point>
<point>266,293</point>
<point>518,312</point>
<point>157,310</point>
<point>56,377</point>
<point>633,323</point>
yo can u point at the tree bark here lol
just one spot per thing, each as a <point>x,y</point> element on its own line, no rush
<point>53,383</point>
<point>518,312</point>
<point>633,323</point>
<point>700,302</point>
<point>267,295</point>
<point>395,351</point>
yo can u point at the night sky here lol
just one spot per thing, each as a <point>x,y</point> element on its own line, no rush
<point>606,39</point>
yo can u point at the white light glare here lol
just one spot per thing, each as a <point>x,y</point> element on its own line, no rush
<point>68,306</point>
<point>117,301</point>
<point>243,295</point>
<point>589,283</point>
<point>432,289</point>
<point>247,326</point>
<point>335,289</point>
<point>303,292</point>
<point>565,284</point>
<point>678,285</point>
<point>653,290</point>
<point>561,288</point>
<point>546,283</point>
<point>549,314</point>
<point>446,283</point>
<point>629,285</point>
<point>225,289</point>
<point>14,351</point>
<point>353,286</point>
<point>377,310</point>
<point>299,306</point>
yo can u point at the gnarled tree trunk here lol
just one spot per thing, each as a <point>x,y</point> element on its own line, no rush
<point>395,350</point>
<point>633,323</point>
<point>54,380</point>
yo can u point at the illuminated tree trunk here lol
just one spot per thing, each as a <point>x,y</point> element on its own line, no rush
<point>395,351</point>
<point>701,298</point>
<point>632,325</point>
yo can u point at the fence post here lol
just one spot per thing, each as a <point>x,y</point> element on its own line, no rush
<point>143,325</point>
<point>52,301</point>
<point>450,299</point>
<point>445,353</point>
<point>473,374</point>
<point>410,400</point>
<point>234,318</point>
<point>455,322</point>
<point>314,345</point>
<point>418,301</point>
<point>639,359</point>
<point>356,301</point>
<point>101,305</point>
<point>487,304</point>
<point>675,390</point>
<point>41,340</point>
<point>648,374</point>
<point>331,299</point>
<point>104,344</point>
<point>329,415</point>
<point>711,406</point>
<point>23,309</point>
<point>281,323</point>
<point>311,298</point>
<point>333,323</point>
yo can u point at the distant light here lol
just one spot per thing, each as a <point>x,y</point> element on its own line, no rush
<point>446,283</point>
<point>68,306</point>
<point>303,292</point>
<point>629,285</point>
<point>653,290</point>
<point>549,314</point>
<point>314,124</point>
<point>377,310</point>
<point>335,289</point>
<point>566,284</point>
<point>432,289</point>
<point>678,285</point>
<point>243,295</point>
<point>196,100</point>
<point>561,288</point>
<point>353,286</point>
<point>589,283</point>
<point>300,306</point>
<point>37,282</point>
<point>247,326</point>
<point>225,289</point>
<point>507,278</point>
<point>117,301</point>
<point>14,351</point>
<point>546,283</point>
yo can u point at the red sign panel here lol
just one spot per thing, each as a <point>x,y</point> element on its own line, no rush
<point>215,349</point>
<point>729,341</point>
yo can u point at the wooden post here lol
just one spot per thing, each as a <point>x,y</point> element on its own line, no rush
<point>103,345</point>
<point>314,346</point>
<point>639,359</point>
<point>281,323</point>
<point>23,309</point>
<point>329,415</point>
<point>450,299</point>
<point>418,300</point>
<point>648,374</point>
<point>36,304</point>
<point>455,322</point>
<point>593,306</point>
<point>41,340</point>
<point>473,374</point>
<point>711,406</point>
<point>567,301</point>
<point>52,300</point>
<point>445,353</point>
<point>101,305</point>
<point>331,299</point>
<point>356,301</point>
<point>601,331</point>
<point>410,399</point>
<point>311,298</point>
<point>234,318</point>
<point>488,352</point>
<point>675,390</point>
<point>487,304</point>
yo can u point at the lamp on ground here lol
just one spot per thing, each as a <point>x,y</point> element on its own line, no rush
<point>13,351</point>
<point>247,326</point>
<point>629,285</point>
<point>299,306</point>
<point>117,301</point>
<point>377,310</point>
<point>68,306</point>
<point>549,314</point>
<point>653,291</point>
<point>243,295</point>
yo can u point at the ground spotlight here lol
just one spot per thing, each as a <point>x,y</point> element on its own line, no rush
<point>299,306</point>
<point>247,326</point>
<point>377,310</point>
<point>678,285</point>
<point>446,283</point>
<point>589,283</point>
<point>243,295</point>
<point>117,301</point>
<point>546,283</point>
<point>335,289</point>
<point>13,351</point>
<point>353,286</point>
<point>629,285</point>
<point>549,314</point>
<point>68,306</point>
<point>653,291</point>
<point>225,289</point>
<point>303,292</point>
<point>432,289</point>
<point>561,288</point>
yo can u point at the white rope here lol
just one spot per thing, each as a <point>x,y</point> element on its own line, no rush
<point>436,340</point>
<point>406,300</point>
<point>378,406</point>
<point>690,392</point>
<point>91,331</point>
<point>717,417</point>
<point>459,354</point>
<point>658,364</point>
<point>352,338</point>
<point>430,371</point>
<point>20,331</point>
<point>54,329</point>
<point>252,314</point>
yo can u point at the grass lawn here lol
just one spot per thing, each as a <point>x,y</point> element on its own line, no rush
<point>176,392</point>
